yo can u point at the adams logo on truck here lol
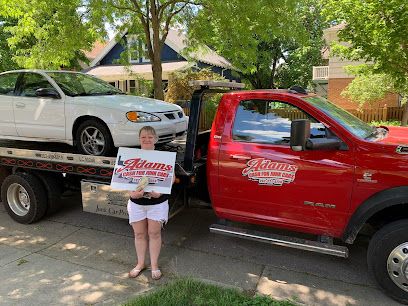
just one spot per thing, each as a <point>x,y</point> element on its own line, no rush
<point>268,172</point>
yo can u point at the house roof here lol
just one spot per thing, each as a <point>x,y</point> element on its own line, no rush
<point>97,48</point>
<point>177,41</point>
<point>120,72</point>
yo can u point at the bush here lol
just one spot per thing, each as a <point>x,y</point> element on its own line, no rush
<point>386,123</point>
<point>178,88</point>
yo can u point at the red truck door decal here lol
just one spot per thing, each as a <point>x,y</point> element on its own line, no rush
<point>268,172</point>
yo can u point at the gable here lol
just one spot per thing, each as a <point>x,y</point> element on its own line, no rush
<point>167,55</point>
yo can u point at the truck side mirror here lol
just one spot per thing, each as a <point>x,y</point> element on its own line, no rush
<point>299,134</point>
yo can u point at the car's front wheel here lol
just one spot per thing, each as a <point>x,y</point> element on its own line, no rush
<point>93,138</point>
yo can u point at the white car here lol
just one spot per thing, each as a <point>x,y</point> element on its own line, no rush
<point>81,110</point>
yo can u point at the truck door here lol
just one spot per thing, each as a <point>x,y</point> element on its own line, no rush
<point>38,117</point>
<point>262,180</point>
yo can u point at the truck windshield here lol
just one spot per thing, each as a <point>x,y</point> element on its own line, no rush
<point>350,122</point>
<point>79,84</point>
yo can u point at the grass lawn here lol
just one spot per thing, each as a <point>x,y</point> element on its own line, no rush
<point>188,292</point>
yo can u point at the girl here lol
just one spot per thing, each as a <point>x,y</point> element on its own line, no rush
<point>147,213</point>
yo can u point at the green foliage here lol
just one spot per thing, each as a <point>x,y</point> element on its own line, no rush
<point>6,61</point>
<point>376,31</point>
<point>192,292</point>
<point>47,34</point>
<point>145,88</point>
<point>248,33</point>
<point>368,86</point>
<point>298,66</point>
<point>386,123</point>
<point>257,36</point>
<point>179,88</point>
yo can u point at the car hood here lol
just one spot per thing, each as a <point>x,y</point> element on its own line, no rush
<point>128,103</point>
<point>397,135</point>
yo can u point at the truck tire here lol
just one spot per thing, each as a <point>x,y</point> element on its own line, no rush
<point>24,197</point>
<point>54,186</point>
<point>387,259</point>
<point>4,172</point>
<point>93,138</point>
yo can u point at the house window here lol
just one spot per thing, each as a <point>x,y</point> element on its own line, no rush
<point>132,86</point>
<point>138,53</point>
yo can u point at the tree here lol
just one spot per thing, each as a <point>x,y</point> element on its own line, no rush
<point>377,32</point>
<point>47,34</point>
<point>259,36</point>
<point>368,86</point>
<point>298,64</point>
<point>250,34</point>
<point>6,61</point>
<point>149,20</point>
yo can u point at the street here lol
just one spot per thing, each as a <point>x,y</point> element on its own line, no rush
<point>78,258</point>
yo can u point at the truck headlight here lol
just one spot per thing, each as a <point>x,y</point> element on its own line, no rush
<point>141,117</point>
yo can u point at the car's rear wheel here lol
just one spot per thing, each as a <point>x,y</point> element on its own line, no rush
<point>93,138</point>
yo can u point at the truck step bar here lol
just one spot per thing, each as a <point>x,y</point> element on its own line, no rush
<point>291,242</point>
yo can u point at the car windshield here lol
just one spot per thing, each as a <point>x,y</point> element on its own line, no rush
<point>79,84</point>
<point>350,122</point>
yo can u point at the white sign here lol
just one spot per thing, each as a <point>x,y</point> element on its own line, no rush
<point>133,164</point>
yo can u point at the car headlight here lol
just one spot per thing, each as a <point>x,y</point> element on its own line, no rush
<point>141,117</point>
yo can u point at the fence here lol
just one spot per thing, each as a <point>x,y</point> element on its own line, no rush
<point>367,115</point>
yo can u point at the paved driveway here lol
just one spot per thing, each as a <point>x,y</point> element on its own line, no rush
<point>79,258</point>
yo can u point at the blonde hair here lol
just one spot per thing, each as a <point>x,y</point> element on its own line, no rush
<point>148,129</point>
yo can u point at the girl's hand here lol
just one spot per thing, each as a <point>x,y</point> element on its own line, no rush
<point>136,194</point>
<point>155,194</point>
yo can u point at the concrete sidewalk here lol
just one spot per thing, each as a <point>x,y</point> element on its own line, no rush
<point>77,258</point>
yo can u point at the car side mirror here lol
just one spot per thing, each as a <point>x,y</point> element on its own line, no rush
<point>47,93</point>
<point>299,134</point>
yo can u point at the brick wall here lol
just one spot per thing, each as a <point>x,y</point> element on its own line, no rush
<point>336,86</point>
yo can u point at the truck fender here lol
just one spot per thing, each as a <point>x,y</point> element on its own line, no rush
<point>374,204</point>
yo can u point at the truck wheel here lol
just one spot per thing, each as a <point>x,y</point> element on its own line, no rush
<point>24,197</point>
<point>93,138</point>
<point>388,259</point>
<point>54,186</point>
<point>4,172</point>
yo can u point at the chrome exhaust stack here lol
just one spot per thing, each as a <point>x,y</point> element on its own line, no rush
<point>291,242</point>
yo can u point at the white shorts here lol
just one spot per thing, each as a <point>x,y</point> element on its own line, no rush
<point>157,212</point>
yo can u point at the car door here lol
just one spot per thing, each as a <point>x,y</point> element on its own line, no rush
<point>38,117</point>
<point>7,85</point>
<point>262,179</point>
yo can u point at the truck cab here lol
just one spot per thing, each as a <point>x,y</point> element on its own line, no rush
<point>292,160</point>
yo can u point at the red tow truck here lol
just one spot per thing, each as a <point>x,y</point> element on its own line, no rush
<point>283,159</point>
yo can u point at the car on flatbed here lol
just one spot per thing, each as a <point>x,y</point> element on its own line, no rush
<point>81,110</point>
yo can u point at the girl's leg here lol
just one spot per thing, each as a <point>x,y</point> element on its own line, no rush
<point>154,230</point>
<point>140,231</point>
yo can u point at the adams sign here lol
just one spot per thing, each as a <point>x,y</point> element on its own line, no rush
<point>133,164</point>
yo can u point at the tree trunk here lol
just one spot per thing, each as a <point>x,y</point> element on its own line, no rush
<point>156,48</point>
<point>404,120</point>
<point>157,78</point>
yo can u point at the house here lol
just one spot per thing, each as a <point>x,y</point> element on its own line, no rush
<point>105,65</point>
<point>332,79</point>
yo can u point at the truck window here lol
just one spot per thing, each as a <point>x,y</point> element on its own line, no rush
<point>263,121</point>
<point>8,83</point>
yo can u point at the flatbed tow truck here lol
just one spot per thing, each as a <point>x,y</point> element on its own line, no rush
<point>282,159</point>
